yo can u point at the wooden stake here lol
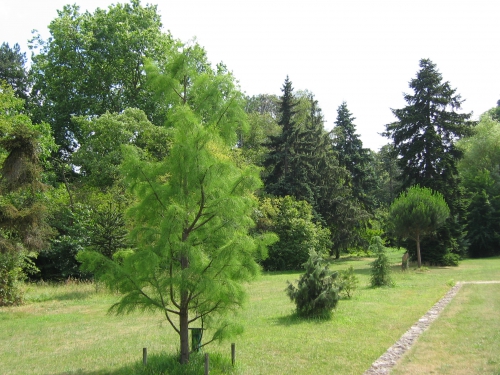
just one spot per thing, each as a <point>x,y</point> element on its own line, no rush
<point>233,353</point>
<point>144,356</point>
<point>206,364</point>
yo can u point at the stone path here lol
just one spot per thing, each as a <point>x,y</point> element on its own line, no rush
<point>385,363</point>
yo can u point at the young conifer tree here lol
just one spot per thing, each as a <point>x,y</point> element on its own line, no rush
<point>316,293</point>
<point>193,209</point>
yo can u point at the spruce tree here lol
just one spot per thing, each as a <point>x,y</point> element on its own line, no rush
<point>424,138</point>
<point>302,163</point>
<point>13,70</point>
<point>356,159</point>
<point>280,180</point>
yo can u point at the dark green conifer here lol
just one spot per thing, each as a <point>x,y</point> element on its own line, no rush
<point>356,159</point>
<point>316,293</point>
<point>424,138</point>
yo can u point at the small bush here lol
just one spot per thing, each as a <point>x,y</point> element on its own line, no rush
<point>451,259</point>
<point>316,294</point>
<point>294,224</point>
<point>346,282</point>
<point>381,269</point>
<point>11,277</point>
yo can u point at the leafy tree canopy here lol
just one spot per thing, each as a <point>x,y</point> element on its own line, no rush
<point>100,153</point>
<point>293,222</point>
<point>417,213</point>
<point>93,63</point>
<point>480,174</point>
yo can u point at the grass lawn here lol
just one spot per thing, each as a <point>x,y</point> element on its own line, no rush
<point>465,339</point>
<point>66,329</point>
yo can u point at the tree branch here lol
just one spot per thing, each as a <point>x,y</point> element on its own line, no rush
<point>154,191</point>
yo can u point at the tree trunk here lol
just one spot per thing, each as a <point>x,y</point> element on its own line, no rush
<point>184,334</point>
<point>419,257</point>
<point>184,318</point>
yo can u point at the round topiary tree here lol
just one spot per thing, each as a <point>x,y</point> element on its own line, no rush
<point>418,212</point>
<point>316,293</point>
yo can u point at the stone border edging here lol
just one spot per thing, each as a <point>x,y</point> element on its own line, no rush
<point>385,363</point>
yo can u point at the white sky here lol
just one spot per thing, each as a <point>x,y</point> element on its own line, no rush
<point>363,52</point>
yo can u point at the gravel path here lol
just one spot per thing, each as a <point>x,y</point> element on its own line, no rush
<point>386,361</point>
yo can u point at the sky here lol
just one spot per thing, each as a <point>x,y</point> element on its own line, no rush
<point>363,52</point>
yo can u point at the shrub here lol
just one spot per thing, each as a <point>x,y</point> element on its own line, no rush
<point>11,275</point>
<point>293,222</point>
<point>346,282</point>
<point>451,259</point>
<point>380,267</point>
<point>316,294</point>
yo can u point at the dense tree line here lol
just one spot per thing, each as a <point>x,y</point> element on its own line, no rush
<point>127,150</point>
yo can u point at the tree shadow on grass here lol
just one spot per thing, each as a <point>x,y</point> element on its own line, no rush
<point>167,364</point>
<point>67,296</point>
<point>294,319</point>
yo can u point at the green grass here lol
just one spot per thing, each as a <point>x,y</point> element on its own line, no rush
<point>465,339</point>
<point>65,329</point>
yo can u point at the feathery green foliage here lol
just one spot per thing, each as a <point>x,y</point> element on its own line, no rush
<point>193,209</point>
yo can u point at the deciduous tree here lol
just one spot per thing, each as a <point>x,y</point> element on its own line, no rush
<point>293,222</point>
<point>480,175</point>
<point>93,63</point>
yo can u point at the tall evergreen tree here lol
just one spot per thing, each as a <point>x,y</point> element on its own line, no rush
<point>356,159</point>
<point>424,137</point>
<point>280,180</point>
<point>13,70</point>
